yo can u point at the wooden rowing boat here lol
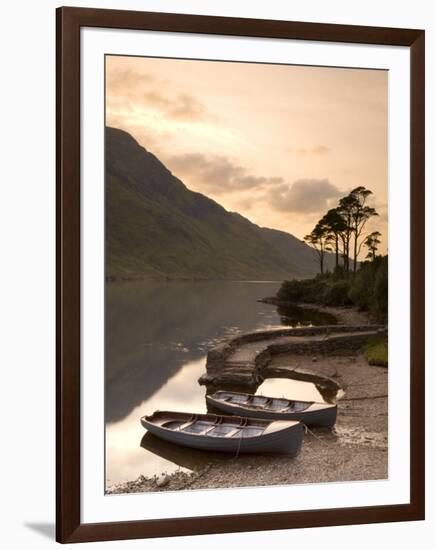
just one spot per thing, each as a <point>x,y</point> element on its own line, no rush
<point>273,408</point>
<point>232,434</point>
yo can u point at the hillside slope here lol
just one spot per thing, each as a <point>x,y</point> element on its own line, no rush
<point>157,227</point>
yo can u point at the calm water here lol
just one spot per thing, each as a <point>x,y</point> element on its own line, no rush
<point>157,337</point>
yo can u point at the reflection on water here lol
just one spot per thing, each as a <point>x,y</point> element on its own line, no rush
<point>291,389</point>
<point>185,459</point>
<point>153,329</point>
<point>294,315</point>
<point>157,338</point>
<point>124,458</point>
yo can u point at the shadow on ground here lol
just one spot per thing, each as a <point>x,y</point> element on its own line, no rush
<point>47,530</point>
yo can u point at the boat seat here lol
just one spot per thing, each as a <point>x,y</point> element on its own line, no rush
<point>185,425</point>
<point>242,425</point>
<point>297,406</point>
<point>228,430</point>
<point>212,426</point>
<point>198,427</point>
<point>279,405</point>
<point>204,426</point>
<point>223,430</point>
<point>251,431</point>
<point>259,401</point>
<point>173,424</point>
<point>237,399</point>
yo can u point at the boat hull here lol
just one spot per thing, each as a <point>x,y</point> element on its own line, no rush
<point>321,417</point>
<point>286,440</point>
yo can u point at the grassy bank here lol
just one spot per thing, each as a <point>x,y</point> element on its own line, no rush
<point>376,351</point>
<point>367,289</point>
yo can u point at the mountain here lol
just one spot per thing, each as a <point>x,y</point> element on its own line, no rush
<point>157,227</point>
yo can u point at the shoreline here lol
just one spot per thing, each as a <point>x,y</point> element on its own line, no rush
<point>356,449</point>
<point>345,315</point>
<point>360,432</point>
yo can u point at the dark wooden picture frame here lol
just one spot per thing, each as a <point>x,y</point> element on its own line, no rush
<point>68,521</point>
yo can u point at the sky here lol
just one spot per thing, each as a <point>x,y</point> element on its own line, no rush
<point>280,144</point>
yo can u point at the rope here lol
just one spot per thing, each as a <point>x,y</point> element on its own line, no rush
<point>307,430</point>
<point>239,448</point>
<point>243,423</point>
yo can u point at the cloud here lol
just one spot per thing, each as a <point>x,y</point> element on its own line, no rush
<point>182,107</point>
<point>118,81</point>
<point>316,150</point>
<point>303,196</point>
<point>217,174</point>
<point>320,150</point>
<point>127,89</point>
<point>186,107</point>
<point>155,99</point>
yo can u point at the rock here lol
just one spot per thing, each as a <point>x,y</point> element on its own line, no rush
<point>162,480</point>
<point>314,359</point>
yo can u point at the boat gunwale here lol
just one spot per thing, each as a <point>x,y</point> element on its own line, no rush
<point>245,422</point>
<point>318,406</point>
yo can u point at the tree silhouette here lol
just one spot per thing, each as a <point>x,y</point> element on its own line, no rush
<point>345,210</point>
<point>371,242</point>
<point>336,226</point>
<point>320,238</point>
<point>360,214</point>
<point>342,228</point>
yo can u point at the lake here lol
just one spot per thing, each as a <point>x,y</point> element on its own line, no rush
<point>157,338</point>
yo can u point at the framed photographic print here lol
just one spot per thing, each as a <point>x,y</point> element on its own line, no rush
<point>240,322</point>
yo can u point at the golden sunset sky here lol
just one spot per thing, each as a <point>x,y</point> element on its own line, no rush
<point>279,144</point>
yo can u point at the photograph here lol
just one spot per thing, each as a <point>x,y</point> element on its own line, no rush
<point>246,274</point>
<point>215,275</point>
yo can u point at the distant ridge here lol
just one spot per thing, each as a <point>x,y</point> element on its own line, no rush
<point>156,227</point>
